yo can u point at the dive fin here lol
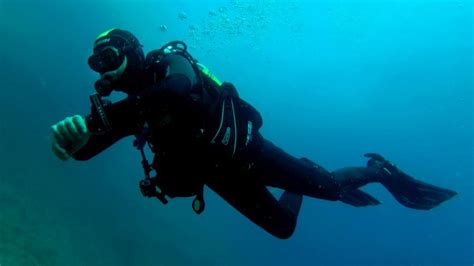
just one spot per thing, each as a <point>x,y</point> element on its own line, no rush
<point>416,194</point>
<point>358,198</point>
<point>407,190</point>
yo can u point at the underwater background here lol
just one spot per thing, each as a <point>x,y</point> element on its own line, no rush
<point>332,79</point>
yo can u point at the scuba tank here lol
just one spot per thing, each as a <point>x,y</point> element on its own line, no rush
<point>205,76</point>
<point>157,186</point>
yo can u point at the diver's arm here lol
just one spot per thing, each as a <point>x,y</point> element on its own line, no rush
<point>97,144</point>
<point>125,120</point>
<point>126,117</point>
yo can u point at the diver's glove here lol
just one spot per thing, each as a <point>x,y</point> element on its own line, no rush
<point>69,136</point>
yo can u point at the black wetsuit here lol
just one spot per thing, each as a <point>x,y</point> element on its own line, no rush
<point>210,136</point>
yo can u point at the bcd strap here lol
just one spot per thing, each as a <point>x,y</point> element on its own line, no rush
<point>226,135</point>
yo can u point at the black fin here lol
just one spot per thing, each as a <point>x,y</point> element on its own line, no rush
<point>358,198</point>
<point>416,194</point>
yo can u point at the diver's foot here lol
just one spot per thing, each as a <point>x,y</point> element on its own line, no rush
<point>383,166</point>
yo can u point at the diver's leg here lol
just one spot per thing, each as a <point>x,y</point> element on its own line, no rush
<point>276,168</point>
<point>351,179</point>
<point>407,190</point>
<point>252,199</point>
<point>279,169</point>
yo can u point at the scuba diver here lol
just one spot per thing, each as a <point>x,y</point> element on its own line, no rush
<point>202,133</point>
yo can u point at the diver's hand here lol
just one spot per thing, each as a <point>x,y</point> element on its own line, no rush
<point>69,136</point>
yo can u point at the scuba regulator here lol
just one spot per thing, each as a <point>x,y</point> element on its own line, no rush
<point>98,123</point>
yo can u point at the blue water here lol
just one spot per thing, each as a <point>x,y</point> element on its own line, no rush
<point>332,79</point>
